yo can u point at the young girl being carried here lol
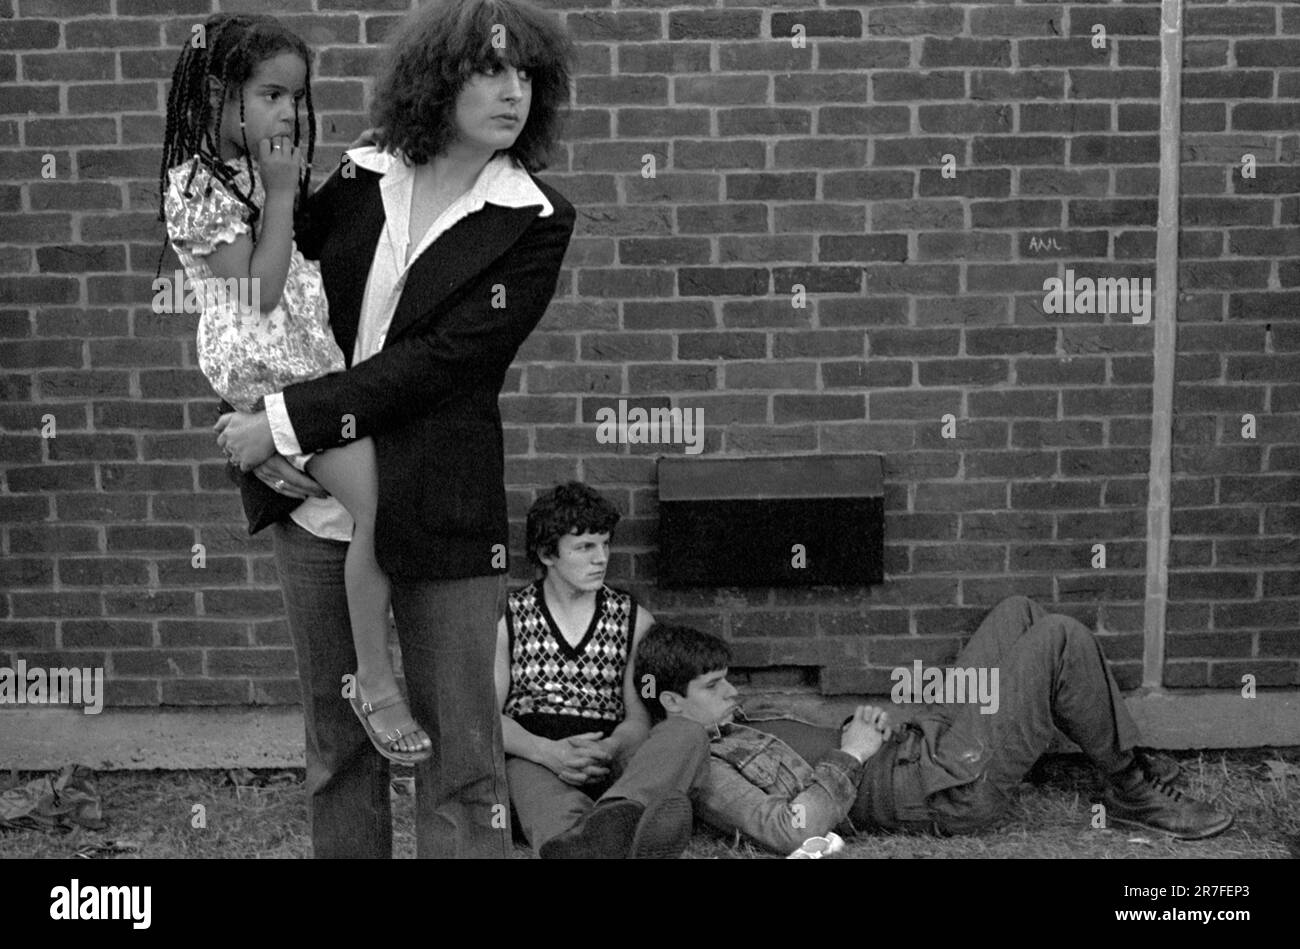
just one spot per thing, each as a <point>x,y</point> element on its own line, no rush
<point>234,167</point>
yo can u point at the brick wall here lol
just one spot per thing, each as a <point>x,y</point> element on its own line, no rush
<point>776,164</point>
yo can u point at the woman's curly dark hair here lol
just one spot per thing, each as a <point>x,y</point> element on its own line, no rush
<point>571,508</point>
<point>440,45</point>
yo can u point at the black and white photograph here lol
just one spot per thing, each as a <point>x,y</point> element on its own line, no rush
<point>652,430</point>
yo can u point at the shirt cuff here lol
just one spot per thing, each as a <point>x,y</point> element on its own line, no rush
<point>286,442</point>
<point>846,762</point>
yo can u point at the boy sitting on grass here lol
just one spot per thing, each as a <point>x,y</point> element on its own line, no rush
<point>571,718</point>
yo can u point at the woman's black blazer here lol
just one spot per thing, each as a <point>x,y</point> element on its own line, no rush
<point>429,397</point>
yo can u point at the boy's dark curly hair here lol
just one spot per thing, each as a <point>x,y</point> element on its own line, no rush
<point>440,45</point>
<point>229,48</point>
<point>566,509</point>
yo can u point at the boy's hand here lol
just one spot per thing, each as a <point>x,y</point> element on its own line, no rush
<point>865,733</point>
<point>578,760</point>
<point>280,164</point>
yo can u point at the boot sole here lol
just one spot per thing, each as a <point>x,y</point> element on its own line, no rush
<point>652,841</point>
<point>1212,831</point>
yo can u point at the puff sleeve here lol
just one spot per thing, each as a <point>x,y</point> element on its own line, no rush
<point>210,216</point>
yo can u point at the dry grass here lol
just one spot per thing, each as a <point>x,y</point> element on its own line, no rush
<point>150,814</point>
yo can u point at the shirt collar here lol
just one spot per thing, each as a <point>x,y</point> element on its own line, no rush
<point>501,181</point>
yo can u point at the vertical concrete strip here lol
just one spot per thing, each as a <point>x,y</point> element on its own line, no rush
<point>1165,328</point>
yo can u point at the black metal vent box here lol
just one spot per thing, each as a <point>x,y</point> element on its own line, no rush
<point>771,521</point>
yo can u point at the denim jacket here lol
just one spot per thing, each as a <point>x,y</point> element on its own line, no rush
<point>758,784</point>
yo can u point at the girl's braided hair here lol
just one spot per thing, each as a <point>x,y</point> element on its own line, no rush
<point>230,47</point>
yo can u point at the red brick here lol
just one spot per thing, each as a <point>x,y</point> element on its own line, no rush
<point>157,663</point>
<point>29,34</point>
<point>1282,644</point>
<point>929,406</point>
<point>1228,675</point>
<point>960,497</point>
<point>25,572</point>
<point>671,377</point>
<point>963,372</point>
<point>729,218</point>
<point>56,605</point>
<point>860,374</point>
<point>913,342</point>
<point>876,311</point>
<point>1013,403</point>
<point>666,58</point>
<point>206,692</point>
<point>202,632</point>
<point>277,692</point>
<point>948,621</point>
<point>721,346</point>
<point>1009,464</point>
<point>840,120</point>
<point>1263,306</point>
<point>820,343</point>
<point>1212,585</point>
<point>813,280</point>
<point>254,663</point>
<point>50,477</point>
<point>820,88</point>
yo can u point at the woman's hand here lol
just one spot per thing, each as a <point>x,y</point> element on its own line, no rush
<point>245,438</point>
<point>283,478</point>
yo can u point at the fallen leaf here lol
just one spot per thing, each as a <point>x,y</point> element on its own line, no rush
<point>241,777</point>
<point>90,851</point>
<point>1281,770</point>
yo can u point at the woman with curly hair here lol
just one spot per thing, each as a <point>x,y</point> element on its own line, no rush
<point>440,252</point>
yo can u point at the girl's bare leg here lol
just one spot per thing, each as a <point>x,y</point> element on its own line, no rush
<point>350,474</point>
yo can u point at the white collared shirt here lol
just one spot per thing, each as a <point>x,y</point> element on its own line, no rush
<point>501,182</point>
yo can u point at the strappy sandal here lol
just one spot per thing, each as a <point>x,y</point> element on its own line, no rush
<point>382,742</point>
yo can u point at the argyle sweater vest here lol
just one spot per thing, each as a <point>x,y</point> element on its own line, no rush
<point>556,689</point>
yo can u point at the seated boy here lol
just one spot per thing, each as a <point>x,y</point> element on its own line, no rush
<point>571,718</point>
<point>952,771</point>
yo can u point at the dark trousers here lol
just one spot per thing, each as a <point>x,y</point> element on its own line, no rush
<point>447,633</point>
<point>674,757</point>
<point>1051,675</point>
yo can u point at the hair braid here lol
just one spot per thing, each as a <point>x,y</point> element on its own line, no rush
<point>234,45</point>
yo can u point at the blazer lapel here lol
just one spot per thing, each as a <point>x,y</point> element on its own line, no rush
<point>464,250</point>
<point>352,257</point>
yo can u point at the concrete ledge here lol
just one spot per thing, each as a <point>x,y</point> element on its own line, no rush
<point>121,740</point>
<point>117,739</point>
